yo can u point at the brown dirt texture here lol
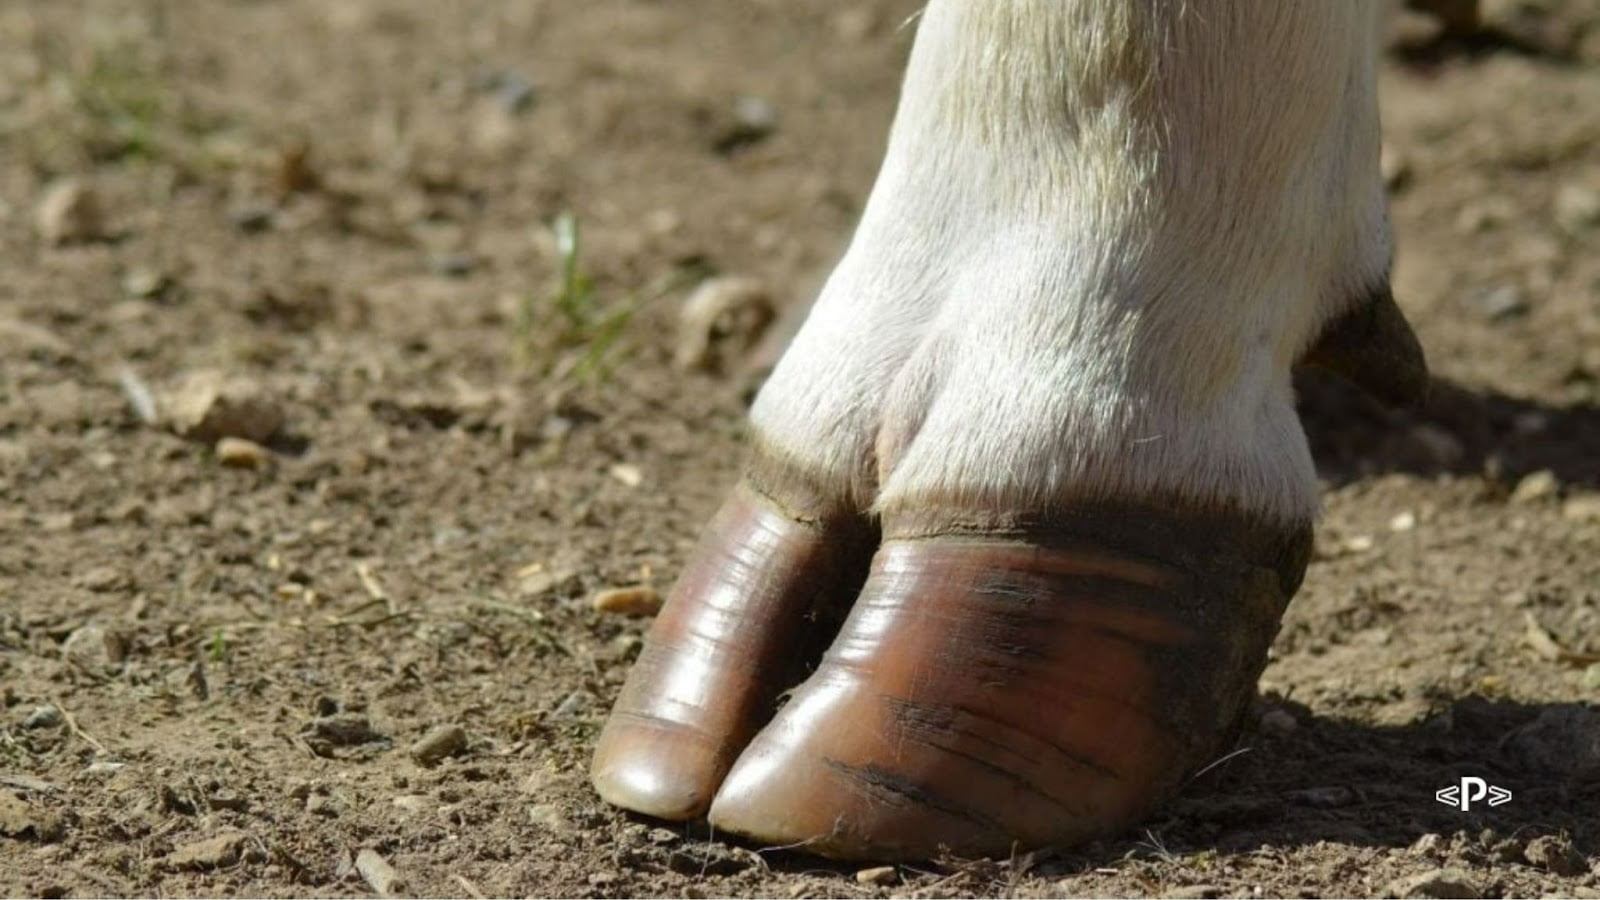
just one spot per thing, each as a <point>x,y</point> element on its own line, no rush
<point>315,442</point>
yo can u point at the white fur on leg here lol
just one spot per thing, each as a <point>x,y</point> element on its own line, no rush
<point>1103,232</point>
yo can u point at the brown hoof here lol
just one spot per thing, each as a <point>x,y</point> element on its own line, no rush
<point>731,636</point>
<point>1043,687</point>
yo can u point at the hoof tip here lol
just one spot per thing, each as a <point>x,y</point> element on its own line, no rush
<point>666,771</point>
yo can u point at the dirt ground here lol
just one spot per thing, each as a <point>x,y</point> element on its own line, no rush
<point>216,659</point>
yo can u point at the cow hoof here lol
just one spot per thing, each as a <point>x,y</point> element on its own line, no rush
<point>732,635</point>
<point>1043,683</point>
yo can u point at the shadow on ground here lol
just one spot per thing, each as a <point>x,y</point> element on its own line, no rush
<point>1330,780</point>
<point>1457,432</point>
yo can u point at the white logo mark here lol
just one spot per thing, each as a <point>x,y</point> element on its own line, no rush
<point>1472,789</point>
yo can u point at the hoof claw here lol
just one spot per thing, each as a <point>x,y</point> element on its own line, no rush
<point>1044,686</point>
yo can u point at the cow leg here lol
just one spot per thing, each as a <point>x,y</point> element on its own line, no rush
<point>1054,369</point>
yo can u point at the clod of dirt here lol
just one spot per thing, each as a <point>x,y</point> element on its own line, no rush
<point>238,453</point>
<point>637,600</point>
<point>1535,486</point>
<point>95,648</point>
<point>207,407</point>
<point>100,579</point>
<point>1555,855</point>
<point>292,170</point>
<point>721,322</point>
<point>1439,883</point>
<point>454,265</point>
<point>43,717</point>
<point>325,805</point>
<point>217,852</point>
<point>754,120</point>
<point>549,816</point>
<point>443,741</point>
<point>1278,722</point>
<point>1196,892</point>
<point>1430,844</point>
<point>342,730</point>
<point>881,876</point>
<point>1582,508</point>
<point>19,818</point>
<point>377,873</point>
<point>1394,165</point>
<point>19,339</point>
<point>627,473</point>
<point>1563,742</point>
<point>252,217</point>
<point>1577,208</point>
<point>145,283</point>
<point>70,213</point>
<point>1499,302</point>
<point>412,803</point>
<point>1440,447</point>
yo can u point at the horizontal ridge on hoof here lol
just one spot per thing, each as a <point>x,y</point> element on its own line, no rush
<point>759,598</point>
<point>1042,688</point>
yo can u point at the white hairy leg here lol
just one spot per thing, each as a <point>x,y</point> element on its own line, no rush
<point>1102,235</point>
<point>1052,373</point>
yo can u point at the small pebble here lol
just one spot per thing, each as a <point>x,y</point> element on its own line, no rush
<point>43,717</point>
<point>1582,508</point>
<point>754,119</point>
<point>454,265</point>
<point>206,406</point>
<point>548,816</point>
<point>1535,486</point>
<point>343,730</point>
<point>1278,721</point>
<point>252,217</point>
<point>443,741</point>
<point>144,283</point>
<point>218,852</point>
<point>95,648</point>
<point>1404,521</point>
<point>1555,855</point>
<point>323,805</point>
<point>1196,892</point>
<point>69,214</point>
<point>377,872</point>
<point>628,601</point>
<point>411,803</point>
<point>1500,302</point>
<point>1394,166</point>
<point>628,474</point>
<point>1443,448</point>
<point>1439,883</point>
<point>1427,845</point>
<point>1577,207</point>
<point>239,453</point>
<point>881,876</point>
<point>514,92</point>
